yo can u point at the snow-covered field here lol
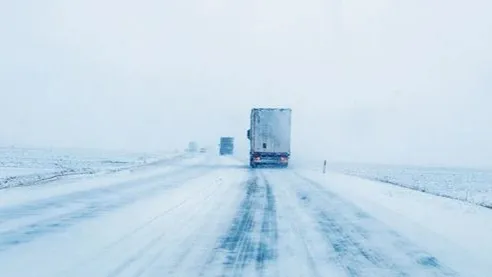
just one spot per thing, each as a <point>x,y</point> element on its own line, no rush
<point>24,166</point>
<point>470,185</point>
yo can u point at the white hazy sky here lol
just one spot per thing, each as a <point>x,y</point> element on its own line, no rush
<point>382,80</point>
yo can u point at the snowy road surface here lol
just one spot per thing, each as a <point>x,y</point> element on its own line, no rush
<point>213,216</point>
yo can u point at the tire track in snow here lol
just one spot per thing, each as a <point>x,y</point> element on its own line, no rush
<point>238,242</point>
<point>152,244</point>
<point>353,255</point>
<point>136,251</point>
<point>251,241</point>
<point>363,245</point>
<point>298,238</point>
<point>191,239</point>
<point>122,239</point>
<point>267,250</point>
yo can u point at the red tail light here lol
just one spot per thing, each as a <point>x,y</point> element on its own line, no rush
<point>283,159</point>
<point>257,158</point>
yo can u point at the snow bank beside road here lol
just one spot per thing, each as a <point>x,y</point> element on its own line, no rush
<point>451,229</point>
<point>470,185</point>
<point>25,194</point>
<point>23,167</point>
<point>7,172</point>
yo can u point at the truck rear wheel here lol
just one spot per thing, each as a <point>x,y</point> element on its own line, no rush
<point>252,164</point>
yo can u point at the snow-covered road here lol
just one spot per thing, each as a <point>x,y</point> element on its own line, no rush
<point>213,216</point>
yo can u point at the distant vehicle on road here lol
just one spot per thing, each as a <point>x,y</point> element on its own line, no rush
<point>203,150</point>
<point>269,137</point>
<point>226,146</point>
<point>192,147</point>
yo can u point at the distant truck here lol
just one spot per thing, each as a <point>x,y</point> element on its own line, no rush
<point>226,146</point>
<point>192,147</point>
<point>269,137</point>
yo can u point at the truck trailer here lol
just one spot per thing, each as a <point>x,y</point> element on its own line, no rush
<point>226,146</point>
<point>269,136</point>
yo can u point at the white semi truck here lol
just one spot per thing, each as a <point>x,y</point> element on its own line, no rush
<point>269,137</point>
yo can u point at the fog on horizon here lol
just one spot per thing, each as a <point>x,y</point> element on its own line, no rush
<point>378,81</point>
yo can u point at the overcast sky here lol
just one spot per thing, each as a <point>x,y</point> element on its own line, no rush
<point>381,80</point>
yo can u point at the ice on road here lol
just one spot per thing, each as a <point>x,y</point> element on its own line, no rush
<point>213,216</point>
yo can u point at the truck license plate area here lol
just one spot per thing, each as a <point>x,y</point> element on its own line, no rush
<point>268,160</point>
